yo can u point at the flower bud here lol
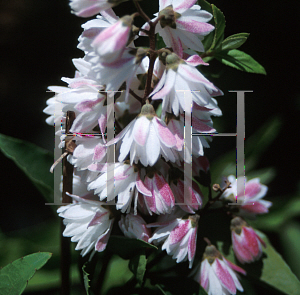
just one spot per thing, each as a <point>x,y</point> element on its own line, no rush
<point>246,243</point>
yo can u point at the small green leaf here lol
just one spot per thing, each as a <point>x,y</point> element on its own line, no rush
<point>137,266</point>
<point>275,271</point>
<point>159,42</point>
<point>234,41</point>
<point>86,279</point>
<point>240,60</point>
<point>15,276</point>
<point>219,20</point>
<point>34,161</point>
<point>126,247</point>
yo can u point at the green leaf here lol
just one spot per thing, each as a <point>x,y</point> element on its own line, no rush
<point>159,42</point>
<point>126,247</point>
<point>240,61</point>
<point>275,271</point>
<point>205,5</point>
<point>219,20</point>
<point>34,161</point>
<point>86,279</point>
<point>14,277</point>
<point>137,266</point>
<point>234,41</point>
<point>290,240</point>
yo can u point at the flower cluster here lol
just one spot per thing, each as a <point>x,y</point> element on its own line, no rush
<point>146,90</point>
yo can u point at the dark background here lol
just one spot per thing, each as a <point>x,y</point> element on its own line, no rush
<point>38,40</point>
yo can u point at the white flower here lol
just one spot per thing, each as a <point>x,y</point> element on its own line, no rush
<point>216,273</point>
<point>111,42</point>
<point>179,236</point>
<point>183,76</point>
<point>183,24</point>
<point>126,184</point>
<point>87,8</point>
<point>146,138</point>
<point>88,223</point>
<point>134,227</point>
<point>251,202</point>
<point>92,29</point>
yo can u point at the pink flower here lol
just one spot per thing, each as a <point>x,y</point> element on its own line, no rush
<point>216,274</point>
<point>246,243</point>
<point>88,223</point>
<point>113,75</point>
<point>111,42</point>
<point>93,28</point>
<point>134,227</point>
<point>183,75</point>
<point>126,184</point>
<point>146,138</point>
<point>177,184</point>
<point>179,236</point>
<point>183,25</point>
<point>87,8</point>
<point>251,202</point>
<point>161,200</point>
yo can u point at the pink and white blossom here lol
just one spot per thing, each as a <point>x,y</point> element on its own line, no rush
<point>217,275</point>
<point>161,200</point>
<point>88,223</point>
<point>111,42</point>
<point>181,76</point>
<point>134,227</point>
<point>113,75</point>
<point>251,200</point>
<point>179,237</point>
<point>87,8</point>
<point>93,28</point>
<point>88,150</point>
<point>126,181</point>
<point>183,25</point>
<point>246,243</point>
<point>146,138</point>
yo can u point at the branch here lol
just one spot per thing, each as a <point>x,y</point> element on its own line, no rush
<point>65,259</point>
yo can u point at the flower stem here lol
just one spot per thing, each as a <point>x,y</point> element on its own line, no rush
<point>65,258</point>
<point>141,12</point>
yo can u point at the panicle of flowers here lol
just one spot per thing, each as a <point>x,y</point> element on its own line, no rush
<point>142,188</point>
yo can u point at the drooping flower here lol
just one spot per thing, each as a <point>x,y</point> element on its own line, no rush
<point>87,8</point>
<point>88,223</point>
<point>113,75</point>
<point>161,200</point>
<point>251,202</point>
<point>246,243</point>
<point>179,236</point>
<point>93,28</point>
<point>216,274</point>
<point>179,77</point>
<point>182,25</point>
<point>125,183</point>
<point>134,227</point>
<point>190,202</point>
<point>146,138</point>
<point>111,42</point>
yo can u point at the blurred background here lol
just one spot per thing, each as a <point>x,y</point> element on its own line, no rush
<point>38,40</point>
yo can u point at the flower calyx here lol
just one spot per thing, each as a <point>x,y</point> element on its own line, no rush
<point>211,253</point>
<point>148,111</point>
<point>237,223</point>
<point>169,17</point>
